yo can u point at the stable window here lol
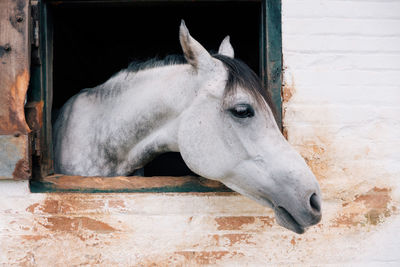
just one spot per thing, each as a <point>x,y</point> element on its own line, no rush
<point>80,44</point>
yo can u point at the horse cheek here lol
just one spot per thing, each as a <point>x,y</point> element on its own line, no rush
<point>202,145</point>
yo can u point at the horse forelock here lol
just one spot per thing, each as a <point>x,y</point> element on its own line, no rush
<point>240,75</point>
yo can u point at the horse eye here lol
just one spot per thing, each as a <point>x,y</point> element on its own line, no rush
<point>242,111</point>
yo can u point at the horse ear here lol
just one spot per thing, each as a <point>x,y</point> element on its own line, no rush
<point>194,52</point>
<point>226,48</point>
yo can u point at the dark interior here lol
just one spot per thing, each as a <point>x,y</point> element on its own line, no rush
<point>92,41</point>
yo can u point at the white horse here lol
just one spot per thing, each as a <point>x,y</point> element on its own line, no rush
<point>211,109</point>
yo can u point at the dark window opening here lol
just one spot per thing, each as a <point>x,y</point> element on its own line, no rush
<point>93,41</point>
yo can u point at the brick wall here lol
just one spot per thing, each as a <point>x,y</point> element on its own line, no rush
<point>341,111</point>
<point>341,95</point>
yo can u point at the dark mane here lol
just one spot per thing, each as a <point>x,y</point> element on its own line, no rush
<point>239,74</point>
<point>137,66</point>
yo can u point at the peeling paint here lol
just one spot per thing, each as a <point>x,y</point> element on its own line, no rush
<point>355,163</point>
<point>14,157</point>
<point>317,158</point>
<point>233,223</point>
<point>12,120</point>
<point>33,237</point>
<point>22,170</point>
<point>234,239</point>
<point>288,92</point>
<point>67,224</point>
<point>68,204</point>
<point>116,204</point>
<point>34,115</point>
<point>202,257</point>
<point>244,222</point>
<point>370,208</point>
<point>94,227</point>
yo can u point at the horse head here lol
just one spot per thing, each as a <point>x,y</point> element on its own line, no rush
<point>228,133</point>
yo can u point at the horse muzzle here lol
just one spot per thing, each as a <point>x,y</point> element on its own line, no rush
<point>299,221</point>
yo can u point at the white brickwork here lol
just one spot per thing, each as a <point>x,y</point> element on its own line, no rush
<point>341,111</point>
<point>342,106</point>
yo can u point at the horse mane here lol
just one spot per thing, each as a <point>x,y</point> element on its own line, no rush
<point>239,74</point>
<point>136,66</point>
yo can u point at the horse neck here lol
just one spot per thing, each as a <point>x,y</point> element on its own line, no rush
<point>157,93</point>
<point>145,116</point>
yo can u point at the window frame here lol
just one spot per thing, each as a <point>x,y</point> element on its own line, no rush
<point>41,90</point>
<point>15,136</point>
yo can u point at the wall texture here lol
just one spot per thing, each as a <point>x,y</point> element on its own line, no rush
<point>341,111</point>
<point>341,96</point>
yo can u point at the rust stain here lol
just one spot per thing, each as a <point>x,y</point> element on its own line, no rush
<point>28,260</point>
<point>316,149</point>
<point>293,241</point>
<point>287,92</point>
<point>376,198</point>
<point>75,204</point>
<point>377,201</point>
<point>49,206</point>
<point>67,203</point>
<point>238,222</point>
<point>203,257</point>
<point>267,221</point>
<point>116,203</point>
<point>34,115</point>
<point>238,239</point>
<point>317,159</point>
<point>32,207</point>
<point>12,120</point>
<point>54,214</point>
<point>33,237</point>
<point>68,224</point>
<point>22,169</point>
<point>189,258</point>
<point>369,208</point>
<point>347,220</point>
<point>95,225</point>
<point>233,222</point>
<point>64,224</point>
<point>285,133</point>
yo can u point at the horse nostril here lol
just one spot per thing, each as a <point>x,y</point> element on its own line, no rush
<point>315,203</point>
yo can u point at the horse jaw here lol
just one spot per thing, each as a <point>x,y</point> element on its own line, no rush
<point>255,160</point>
<point>285,189</point>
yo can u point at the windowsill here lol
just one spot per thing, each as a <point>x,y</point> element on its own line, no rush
<point>120,184</point>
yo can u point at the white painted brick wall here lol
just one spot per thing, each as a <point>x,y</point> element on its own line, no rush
<point>341,111</point>
<point>342,90</point>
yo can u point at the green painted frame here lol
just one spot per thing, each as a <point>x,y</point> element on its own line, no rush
<point>271,53</point>
<point>42,87</point>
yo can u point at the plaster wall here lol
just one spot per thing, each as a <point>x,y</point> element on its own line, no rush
<point>341,94</point>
